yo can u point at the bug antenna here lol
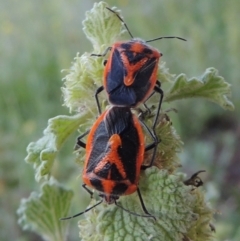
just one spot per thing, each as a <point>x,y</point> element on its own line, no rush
<point>78,214</point>
<point>151,40</point>
<point>135,214</point>
<point>125,25</point>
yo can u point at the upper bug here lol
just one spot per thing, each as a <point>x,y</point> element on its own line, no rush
<point>130,72</point>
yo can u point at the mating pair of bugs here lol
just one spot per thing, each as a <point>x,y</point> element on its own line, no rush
<point>115,145</point>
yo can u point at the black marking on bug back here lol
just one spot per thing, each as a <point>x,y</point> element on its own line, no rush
<point>127,45</point>
<point>133,57</point>
<point>147,51</point>
<point>112,169</point>
<point>142,82</point>
<point>97,184</point>
<point>123,96</point>
<point>115,174</point>
<point>128,152</point>
<point>99,147</point>
<point>116,72</point>
<point>119,189</point>
<point>118,120</point>
<point>103,172</point>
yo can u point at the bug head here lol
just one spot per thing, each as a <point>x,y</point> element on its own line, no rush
<point>109,198</point>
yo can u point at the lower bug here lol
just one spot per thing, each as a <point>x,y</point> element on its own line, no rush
<point>114,157</point>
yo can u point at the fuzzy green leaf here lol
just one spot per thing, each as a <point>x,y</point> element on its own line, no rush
<point>42,153</point>
<point>101,26</point>
<point>174,205</point>
<point>41,212</point>
<point>170,145</point>
<point>163,73</point>
<point>210,86</point>
<point>81,82</point>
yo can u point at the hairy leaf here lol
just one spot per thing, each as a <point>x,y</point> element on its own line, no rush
<point>42,153</point>
<point>101,26</point>
<point>175,206</point>
<point>210,86</point>
<point>41,211</point>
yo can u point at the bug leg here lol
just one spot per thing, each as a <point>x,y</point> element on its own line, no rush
<point>86,210</point>
<point>148,215</point>
<point>103,54</point>
<point>151,146</point>
<point>143,205</point>
<point>153,135</point>
<point>80,143</point>
<point>158,84</point>
<point>158,89</point>
<point>104,62</point>
<point>88,190</point>
<point>99,90</point>
<point>147,108</point>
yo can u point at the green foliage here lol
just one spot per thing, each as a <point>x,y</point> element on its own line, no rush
<point>41,212</point>
<point>42,153</point>
<point>102,24</point>
<point>80,82</point>
<point>40,38</point>
<point>167,197</point>
<point>210,86</point>
<point>182,211</point>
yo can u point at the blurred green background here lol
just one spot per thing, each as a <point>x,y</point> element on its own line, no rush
<point>40,38</point>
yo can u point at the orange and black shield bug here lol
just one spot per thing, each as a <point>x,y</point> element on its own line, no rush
<point>114,156</point>
<point>130,72</point>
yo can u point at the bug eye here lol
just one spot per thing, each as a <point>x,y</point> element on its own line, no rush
<point>104,62</point>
